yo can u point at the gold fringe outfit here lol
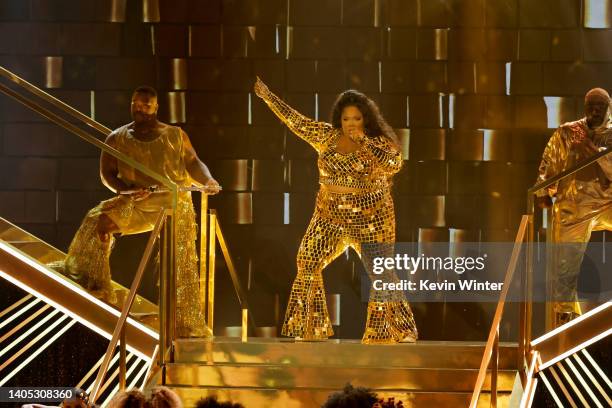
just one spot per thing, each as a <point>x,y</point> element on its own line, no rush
<point>88,256</point>
<point>363,220</point>
<point>583,204</point>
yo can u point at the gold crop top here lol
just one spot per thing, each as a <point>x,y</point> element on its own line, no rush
<point>368,168</point>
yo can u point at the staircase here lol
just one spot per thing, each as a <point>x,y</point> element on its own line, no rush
<point>52,304</point>
<point>284,373</point>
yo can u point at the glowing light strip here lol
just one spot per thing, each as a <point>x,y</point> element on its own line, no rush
<point>551,390</point>
<point>150,364</point>
<point>593,379</point>
<point>110,380</point>
<point>142,372</point>
<point>19,313</point>
<point>532,392</point>
<point>89,373</point>
<point>29,332</point>
<point>113,361</point>
<point>563,388</point>
<point>571,323</point>
<point>24,323</point>
<point>572,384</point>
<point>38,351</point>
<point>576,349</point>
<point>68,312</point>
<point>116,387</point>
<point>530,381</point>
<point>16,304</point>
<point>64,282</point>
<point>597,368</point>
<point>582,382</point>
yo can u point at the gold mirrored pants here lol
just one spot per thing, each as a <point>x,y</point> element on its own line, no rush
<point>339,221</point>
<point>88,256</point>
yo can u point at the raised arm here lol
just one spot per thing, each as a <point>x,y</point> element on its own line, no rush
<point>313,132</point>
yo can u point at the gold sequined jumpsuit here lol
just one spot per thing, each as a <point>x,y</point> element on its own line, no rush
<point>363,220</point>
<point>583,204</point>
<point>88,256</point>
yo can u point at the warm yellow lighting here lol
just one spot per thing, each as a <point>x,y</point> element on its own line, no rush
<point>598,13</point>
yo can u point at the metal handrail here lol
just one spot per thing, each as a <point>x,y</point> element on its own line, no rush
<point>58,120</point>
<point>216,234</point>
<point>119,332</point>
<point>53,100</point>
<point>564,174</point>
<point>492,345</point>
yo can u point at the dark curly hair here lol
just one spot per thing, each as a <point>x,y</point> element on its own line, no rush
<point>373,122</point>
<point>212,402</point>
<point>351,397</point>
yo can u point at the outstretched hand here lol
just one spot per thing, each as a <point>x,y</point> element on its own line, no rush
<point>260,88</point>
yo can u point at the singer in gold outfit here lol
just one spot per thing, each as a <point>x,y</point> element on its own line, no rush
<point>167,151</point>
<point>358,155</point>
<point>583,201</point>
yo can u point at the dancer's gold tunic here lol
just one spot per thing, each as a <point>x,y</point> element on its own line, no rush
<point>341,220</point>
<point>583,204</point>
<point>88,256</point>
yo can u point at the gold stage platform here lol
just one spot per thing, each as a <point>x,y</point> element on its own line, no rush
<point>284,373</point>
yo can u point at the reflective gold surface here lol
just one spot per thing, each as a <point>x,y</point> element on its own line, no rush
<point>65,292</point>
<point>285,373</point>
<point>576,334</point>
<point>429,354</point>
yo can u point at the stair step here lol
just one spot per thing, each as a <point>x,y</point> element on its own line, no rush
<point>279,377</point>
<point>288,377</point>
<point>308,398</point>
<point>423,354</point>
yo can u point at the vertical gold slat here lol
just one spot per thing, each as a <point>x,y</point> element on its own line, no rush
<point>53,72</point>
<point>244,331</point>
<point>122,360</point>
<point>211,268</point>
<point>203,247</point>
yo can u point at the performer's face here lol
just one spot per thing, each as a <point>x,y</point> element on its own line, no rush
<point>595,111</point>
<point>144,108</point>
<point>352,120</point>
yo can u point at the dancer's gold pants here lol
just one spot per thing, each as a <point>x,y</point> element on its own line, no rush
<point>572,234</point>
<point>88,256</point>
<point>341,220</point>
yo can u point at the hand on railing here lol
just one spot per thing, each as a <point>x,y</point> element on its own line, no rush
<point>211,188</point>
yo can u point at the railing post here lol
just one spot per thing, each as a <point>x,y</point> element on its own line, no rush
<point>244,331</point>
<point>172,287</point>
<point>163,296</point>
<point>529,288</point>
<point>122,360</point>
<point>203,247</point>
<point>494,369</point>
<point>211,268</point>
